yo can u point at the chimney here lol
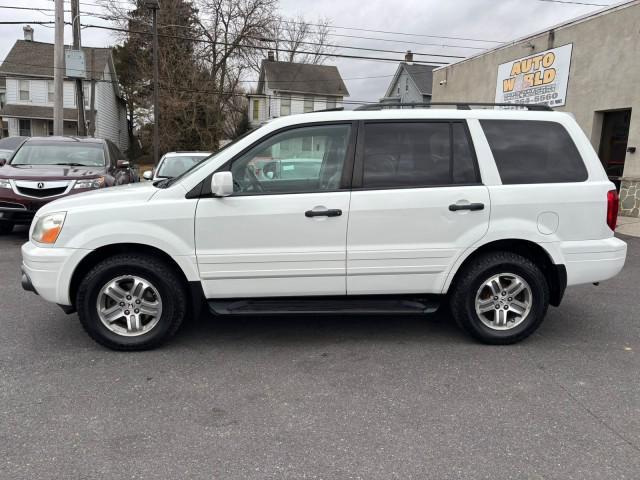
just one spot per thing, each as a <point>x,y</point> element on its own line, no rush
<point>28,33</point>
<point>270,56</point>
<point>408,57</point>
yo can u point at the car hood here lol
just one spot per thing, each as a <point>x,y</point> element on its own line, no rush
<point>49,172</point>
<point>127,194</point>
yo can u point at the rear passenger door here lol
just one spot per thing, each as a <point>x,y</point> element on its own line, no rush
<point>417,202</point>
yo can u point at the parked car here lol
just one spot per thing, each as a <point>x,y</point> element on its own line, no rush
<point>43,169</point>
<point>9,145</point>
<point>494,212</point>
<point>173,164</point>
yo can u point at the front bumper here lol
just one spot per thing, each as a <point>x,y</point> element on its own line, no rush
<point>48,270</point>
<point>16,214</point>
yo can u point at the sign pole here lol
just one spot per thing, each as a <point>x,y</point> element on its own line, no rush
<point>58,70</point>
<point>81,129</point>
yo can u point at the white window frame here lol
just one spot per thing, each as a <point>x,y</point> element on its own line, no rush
<point>285,105</point>
<point>305,107</point>
<point>86,92</point>
<point>331,102</point>
<point>255,113</point>
<point>50,91</point>
<point>28,90</point>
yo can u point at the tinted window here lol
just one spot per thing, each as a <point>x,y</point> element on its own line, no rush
<point>533,152</point>
<point>416,155</point>
<point>307,159</point>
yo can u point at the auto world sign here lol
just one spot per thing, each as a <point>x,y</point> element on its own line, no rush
<point>540,78</point>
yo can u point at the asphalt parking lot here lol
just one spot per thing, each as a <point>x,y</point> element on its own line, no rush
<point>323,397</point>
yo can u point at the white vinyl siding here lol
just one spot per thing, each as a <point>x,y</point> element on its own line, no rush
<point>285,105</point>
<point>110,115</point>
<point>308,104</point>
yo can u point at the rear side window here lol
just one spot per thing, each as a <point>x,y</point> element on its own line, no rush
<point>528,151</point>
<point>417,154</point>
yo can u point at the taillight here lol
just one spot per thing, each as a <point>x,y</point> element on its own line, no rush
<point>612,209</point>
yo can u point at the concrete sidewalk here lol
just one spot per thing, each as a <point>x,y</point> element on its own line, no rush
<point>629,226</point>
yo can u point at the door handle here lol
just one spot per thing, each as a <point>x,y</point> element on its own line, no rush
<point>470,206</point>
<point>334,212</point>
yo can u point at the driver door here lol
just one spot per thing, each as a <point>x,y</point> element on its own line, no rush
<point>283,231</point>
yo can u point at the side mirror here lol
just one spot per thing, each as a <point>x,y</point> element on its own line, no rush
<point>148,175</point>
<point>3,161</point>
<point>222,184</point>
<point>122,164</point>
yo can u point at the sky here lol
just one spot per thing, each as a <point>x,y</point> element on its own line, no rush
<point>421,22</point>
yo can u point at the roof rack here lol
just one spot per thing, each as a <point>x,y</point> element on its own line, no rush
<point>458,105</point>
<point>334,109</point>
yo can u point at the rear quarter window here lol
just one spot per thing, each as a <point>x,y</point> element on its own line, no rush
<point>528,151</point>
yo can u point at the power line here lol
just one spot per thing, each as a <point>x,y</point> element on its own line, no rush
<point>576,3</point>
<point>274,40</point>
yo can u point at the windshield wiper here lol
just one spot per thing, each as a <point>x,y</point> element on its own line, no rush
<point>72,164</point>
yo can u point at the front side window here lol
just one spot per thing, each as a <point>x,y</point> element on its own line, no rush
<point>417,154</point>
<point>24,90</point>
<point>285,105</point>
<point>25,128</point>
<point>50,94</point>
<point>308,104</point>
<point>528,151</point>
<point>282,164</point>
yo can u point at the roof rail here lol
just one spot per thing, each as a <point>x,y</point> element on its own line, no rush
<point>458,105</point>
<point>334,109</point>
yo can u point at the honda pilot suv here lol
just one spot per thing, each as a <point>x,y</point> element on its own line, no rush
<point>493,211</point>
<point>43,169</point>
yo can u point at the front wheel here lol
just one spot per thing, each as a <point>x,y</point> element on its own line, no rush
<point>131,302</point>
<point>500,298</point>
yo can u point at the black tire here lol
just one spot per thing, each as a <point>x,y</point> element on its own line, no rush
<point>480,270</point>
<point>170,287</point>
<point>6,228</point>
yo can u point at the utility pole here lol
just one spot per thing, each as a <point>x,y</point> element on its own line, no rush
<point>75,25</point>
<point>58,70</point>
<point>154,5</point>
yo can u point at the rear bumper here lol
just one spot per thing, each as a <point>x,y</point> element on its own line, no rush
<point>593,260</point>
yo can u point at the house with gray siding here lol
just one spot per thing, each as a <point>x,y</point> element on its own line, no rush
<point>411,83</point>
<point>28,98</point>
<point>286,88</point>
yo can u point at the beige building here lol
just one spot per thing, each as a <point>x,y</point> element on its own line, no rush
<point>589,66</point>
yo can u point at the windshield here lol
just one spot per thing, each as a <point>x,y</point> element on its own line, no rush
<point>174,165</point>
<point>77,154</point>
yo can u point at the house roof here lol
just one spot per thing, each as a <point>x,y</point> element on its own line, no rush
<point>28,58</point>
<point>421,75</point>
<point>301,78</point>
<point>33,111</point>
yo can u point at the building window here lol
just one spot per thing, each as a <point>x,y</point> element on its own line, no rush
<point>308,104</point>
<point>285,105</point>
<point>50,128</point>
<point>331,103</point>
<point>24,90</point>
<point>256,110</point>
<point>50,90</point>
<point>25,128</point>
<point>86,94</point>
<point>307,144</point>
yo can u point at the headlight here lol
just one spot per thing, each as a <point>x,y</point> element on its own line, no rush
<point>48,228</point>
<point>90,183</point>
<point>4,183</point>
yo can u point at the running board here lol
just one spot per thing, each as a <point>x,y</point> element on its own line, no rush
<point>326,305</point>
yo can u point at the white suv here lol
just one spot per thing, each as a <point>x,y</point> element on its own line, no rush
<point>388,211</point>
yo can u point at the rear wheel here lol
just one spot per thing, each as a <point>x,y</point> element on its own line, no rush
<point>6,228</point>
<point>500,298</point>
<point>131,302</point>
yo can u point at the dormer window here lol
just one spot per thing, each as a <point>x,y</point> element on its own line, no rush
<point>24,90</point>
